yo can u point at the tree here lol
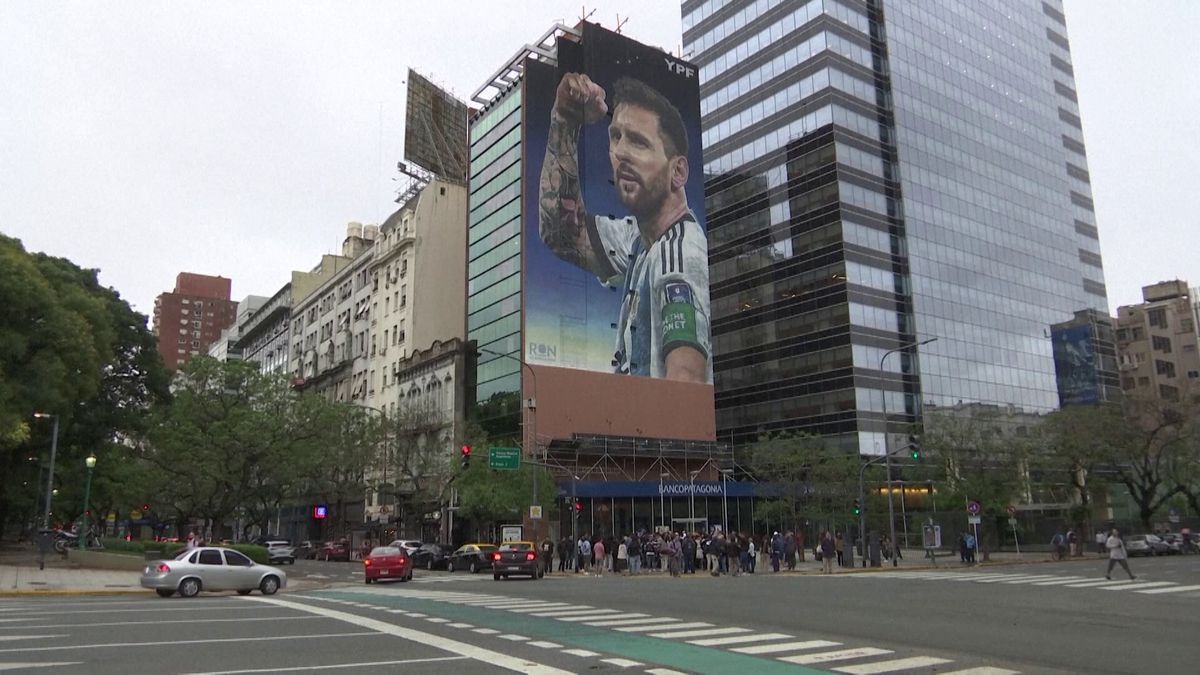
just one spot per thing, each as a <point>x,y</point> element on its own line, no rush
<point>488,496</point>
<point>807,478</point>
<point>1152,450</point>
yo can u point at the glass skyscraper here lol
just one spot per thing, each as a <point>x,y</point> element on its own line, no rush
<point>882,173</point>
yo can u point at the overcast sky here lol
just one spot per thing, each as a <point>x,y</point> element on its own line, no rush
<point>238,139</point>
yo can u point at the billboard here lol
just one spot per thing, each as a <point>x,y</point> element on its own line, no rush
<point>435,129</point>
<point>616,250</point>
<point>1075,366</point>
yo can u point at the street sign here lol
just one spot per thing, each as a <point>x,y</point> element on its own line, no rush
<point>974,507</point>
<point>535,512</point>
<point>504,458</point>
<point>1012,521</point>
<point>1173,515</point>
<point>1012,510</point>
<point>510,533</point>
<point>931,536</point>
<point>973,520</point>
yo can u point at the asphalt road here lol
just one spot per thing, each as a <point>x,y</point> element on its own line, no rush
<point>1040,618</point>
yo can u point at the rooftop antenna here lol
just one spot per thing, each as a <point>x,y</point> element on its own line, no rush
<point>620,22</point>
<point>584,14</point>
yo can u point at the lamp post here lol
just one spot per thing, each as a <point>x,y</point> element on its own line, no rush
<point>887,454</point>
<point>692,496</point>
<point>50,476</point>
<point>87,498</point>
<point>662,500</point>
<point>725,499</point>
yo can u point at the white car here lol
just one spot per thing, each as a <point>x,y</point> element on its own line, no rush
<point>211,568</point>
<point>281,551</point>
<point>410,546</point>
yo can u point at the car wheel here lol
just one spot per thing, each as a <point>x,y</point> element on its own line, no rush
<point>429,564</point>
<point>540,574</point>
<point>368,581</point>
<point>409,577</point>
<point>449,565</point>
<point>189,588</point>
<point>495,577</point>
<point>165,592</point>
<point>269,586</point>
<point>244,591</point>
<point>472,568</point>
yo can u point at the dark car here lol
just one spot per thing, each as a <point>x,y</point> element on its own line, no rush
<point>387,562</point>
<point>516,557</point>
<point>432,556</point>
<point>335,550</point>
<point>307,550</point>
<point>471,557</point>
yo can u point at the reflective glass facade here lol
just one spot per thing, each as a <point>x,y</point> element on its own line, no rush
<point>494,251</point>
<point>883,173</point>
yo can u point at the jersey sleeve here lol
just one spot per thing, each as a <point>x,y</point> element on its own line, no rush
<point>681,290</point>
<point>612,242</point>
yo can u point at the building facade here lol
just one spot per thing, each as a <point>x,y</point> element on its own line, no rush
<point>1085,359</point>
<point>1157,343</point>
<point>880,174</point>
<point>189,319</point>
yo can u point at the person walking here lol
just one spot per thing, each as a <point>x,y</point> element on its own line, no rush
<point>777,551</point>
<point>634,551</point>
<point>1058,544</point>
<point>547,561</point>
<point>751,554</point>
<point>687,553</point>
<point>789,550</point>
<point>599,556</point>
<point>623,557</point>
<point>971,546</point>
<point>564,554</point>
<point>1116,554</point>
<point>839,542</point>
<point>583,554</point>
<point>828,551</point>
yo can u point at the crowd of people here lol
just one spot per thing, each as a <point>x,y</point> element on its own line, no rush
<point>679,553</point>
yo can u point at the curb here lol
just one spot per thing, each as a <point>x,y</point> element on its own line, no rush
<point>70,592</point>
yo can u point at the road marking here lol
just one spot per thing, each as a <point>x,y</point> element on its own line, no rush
<point>431,659</point>
<point>485,631</point>
<point>664,671</point>
<point>1140,584</point>
<point>985,670</point>
<point>1060,580</point>
<point>838,655</point>
<point>703,632</point>
<point>630,622</point>
<point>178,607</point>
<point>580,652</point>
<point>590,615</point>
<point>622,663</point>
<point>546,645</point>
<point>1029,579</point>
<point>680,626</point>
<point>1175,589</point>
<point>155,623</point>
<point>9,665</point>
<point>1093,584</point>
<point>514,638</point>
<point>436,619</point>
<point>414,615</point>
<point>548,606</point>
<point>488,656</point>
<point>892,666</point>
<point>186,642</point>
<point>1015,578</point>
<point>739,639</point>
<point>14,620</point>
<point>576,612</point>
<point>512,604</point>
<point>28,637</point>
<point>785,647</point>
<point>460,625</point>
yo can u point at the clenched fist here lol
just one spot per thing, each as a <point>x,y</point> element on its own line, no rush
<point>579,100</point>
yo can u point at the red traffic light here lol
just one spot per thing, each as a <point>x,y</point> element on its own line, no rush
<point>145,507</point>
<point>466,450</point>
<point>578,505</point>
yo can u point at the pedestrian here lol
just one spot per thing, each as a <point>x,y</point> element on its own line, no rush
<point>800,544</point>
<point>623,557</point>
<point>828,551</point>
<point>698,553</point>
<point>972,544</point>
<point>564,554</point>
<point>583,554</point>
<point>634,550</point>
<point>839,543</point>
<point>777,551</point>
<point>789,550</point>
<point>751,554</point>
<point>687,553</point>
<point>1072,542</point>
<point>547,561</point>
<point>674,551</point>
<point>1116,554</point>
<point>1101,538</point>
<point>191,540</point>
<point>599,555</point>
<point>1058,546</point>
<point>962,546</point>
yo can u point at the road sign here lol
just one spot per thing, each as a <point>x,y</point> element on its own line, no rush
<point>1012,510</point>
<point>974,507</point>
<point>1012,521</point>
<point>1173,515</point>
<point>931,536</point>
<point>510,533</point>
<point>535,512</point>
<point>973,520</point>
<point>504,458</point>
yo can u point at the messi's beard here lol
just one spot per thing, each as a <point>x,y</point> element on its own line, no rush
<point>646,201</point>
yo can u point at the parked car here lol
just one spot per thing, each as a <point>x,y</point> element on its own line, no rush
<point>516,557</point>
<point>307,550</point>
<point>335,550</point>
<point>280,551</point>
<point>471,557</point>
<point>1174,543</point>
<point>387,562</point>
<point>431,556</point>
<point>409,545</point>
<point>211,568</point>
<point>1144,544</point>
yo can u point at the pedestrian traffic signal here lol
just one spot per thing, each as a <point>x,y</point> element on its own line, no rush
<point>578,506</point>
<point>466,456</point>
<point>914,452</point>
<point>857,508</point>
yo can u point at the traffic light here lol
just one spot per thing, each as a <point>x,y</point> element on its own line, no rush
<point>578,506</point>
<point>857,507</point>
<point>145,507</point>
<point>914,452</point>
<point>466,456</point>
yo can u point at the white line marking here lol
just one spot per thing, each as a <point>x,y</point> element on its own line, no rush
<point>485,631</point>
<point>431,659</point>
<point>27,637</point>
<point>585,617</point>
<point>892,666</point>
<point>680,626</point>
<point>580,652</point>
<point>739,639</point>
<point>1093,584</point>
<point>545,645</point>
<point>1014,578</point>
<point>631,622</point>
<point>703,632</point>
<point>460,625</point>
<point>1176,589</point>
<point>436,619</point>
<point>984,670</point>
<point>514,638</point>
<point>178,607</point>
<point>839,655</point>
<point>155,623</point>
<point>622,663</point>
<point>488,656</point>
<point>785,647</point>
<point>1030,579</point>
<point>1140,584</point>
<point>1059,581</point>
<point>9,665</point>
<point>414,615</point>
<point>664,671</point>
<point>548,606</point>
<point>185,642</point>
<point>576,612</point>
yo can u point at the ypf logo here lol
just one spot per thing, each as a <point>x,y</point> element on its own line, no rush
<point>680,68</point>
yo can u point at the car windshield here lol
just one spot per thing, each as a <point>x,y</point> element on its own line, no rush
<point>517,546</point>
<point>487,548</point>
<point>385,550</point>
<point>184,553</point>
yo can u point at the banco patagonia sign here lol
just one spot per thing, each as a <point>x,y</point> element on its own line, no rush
<point>705,489</point>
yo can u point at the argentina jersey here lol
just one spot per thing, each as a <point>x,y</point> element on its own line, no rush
<point>665,302</point>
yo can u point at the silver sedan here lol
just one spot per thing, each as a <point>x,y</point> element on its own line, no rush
<point>211,568</point>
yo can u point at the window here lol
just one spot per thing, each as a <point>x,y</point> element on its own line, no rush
<point>235,558</point>
<point>1165,368</point>
<point>210,557</point>
<point>1161,343</point>
<point>1168,392</point>
<point>1157,317</point>
<point>1193,374</point>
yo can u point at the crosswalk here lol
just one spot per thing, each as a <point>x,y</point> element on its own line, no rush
<point>807,650</point>
<point>1138,585</point>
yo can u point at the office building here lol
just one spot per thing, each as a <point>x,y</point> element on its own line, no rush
<point>1157,344</point>
<point>883,173</point>
<point>189,319</point>
<point>1085,359</point>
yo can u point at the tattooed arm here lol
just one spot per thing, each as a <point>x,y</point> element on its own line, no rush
<point>562,218</point>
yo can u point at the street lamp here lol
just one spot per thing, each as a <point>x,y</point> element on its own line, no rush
<point>887,453</point>
<point>87,498</point>
<point>53,453</point>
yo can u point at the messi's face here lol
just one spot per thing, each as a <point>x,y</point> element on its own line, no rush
<point>640,162</point>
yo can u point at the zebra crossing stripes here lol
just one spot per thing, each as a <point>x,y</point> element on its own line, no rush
<point>836,655</point>
<point>1059,581</point>
<point>910,663</point>
<point>739,639</point>
<point>703,632</point>
<point>1050,580</point>
<point>758,650</point>
<point>1139,585</point>
<point>1176,589</point>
